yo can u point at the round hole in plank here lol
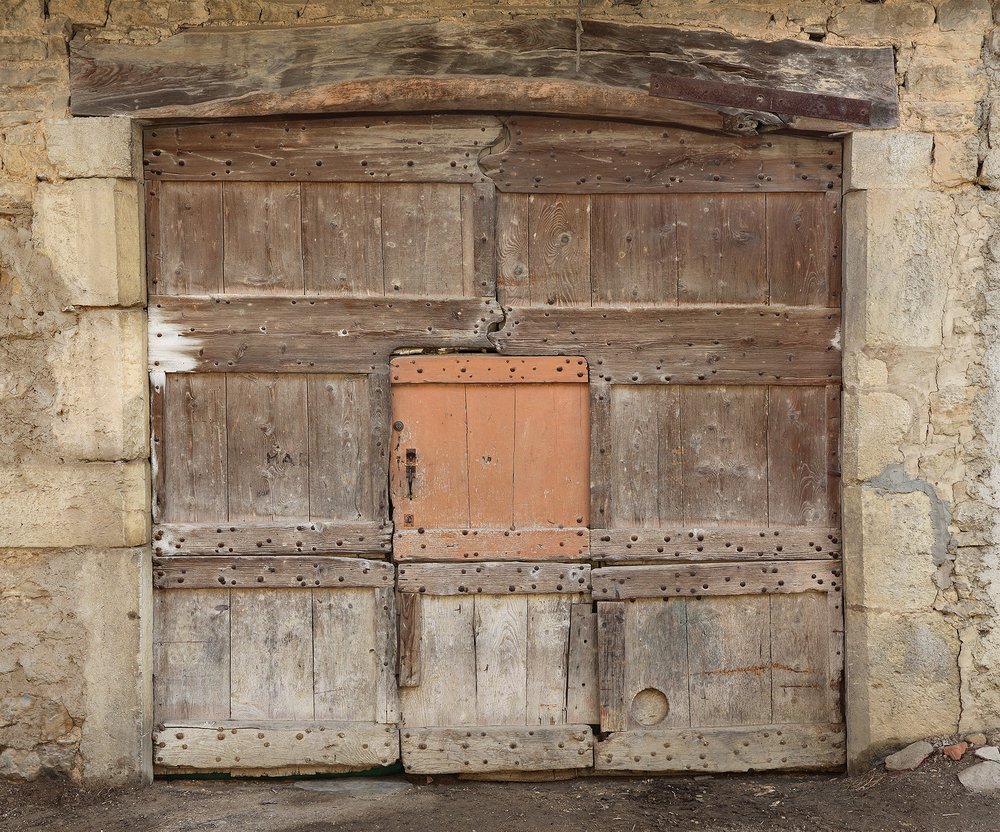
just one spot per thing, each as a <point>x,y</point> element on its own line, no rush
<point>650,707</point>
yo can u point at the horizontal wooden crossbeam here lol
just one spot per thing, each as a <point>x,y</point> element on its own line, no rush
<point>491,544</point>
<point>270,572</point>
<point>305,537</point>
<point>493,578</point>
<point>679,544</point>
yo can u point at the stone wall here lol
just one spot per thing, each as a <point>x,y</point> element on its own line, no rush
<point>922,369</point>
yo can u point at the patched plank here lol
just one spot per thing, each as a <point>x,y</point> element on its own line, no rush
<point>493,578</point>
<point>490,544</point>
<point>270,572</point>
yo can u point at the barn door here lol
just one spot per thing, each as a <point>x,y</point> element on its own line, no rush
<point>490,471</point>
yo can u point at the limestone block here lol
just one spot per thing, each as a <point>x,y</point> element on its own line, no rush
<point>883,22</point>
<point>975,15</point>
<point>934,78</point>
<point>887,159</point>
<point>90,230</point>
<point>896,537</point>
<point>99,368</point>
<point>84,147</point>
<point>863,372</point>
<point>875,426</point>
<point>81,12</point>
<point>989,176</point>
<point>45,504</point>
<point>956,159</point>
<point>902,680</point>
<point>899,256</point>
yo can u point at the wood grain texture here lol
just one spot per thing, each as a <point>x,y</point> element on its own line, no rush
<point>306,537</point>
<point>801,634</point>
<point>345,667</point>
<point>493,578</point>
<point>409,639</point>
<point>711,544</point>
<point>559,250</point>
<point>582,689</point>
<point>490,544</point>
<point>502,659</point>
<point>749,748</point>
<point>512,243</point>
<point>239,745</point>
<point>261,238</point>
<point>547,658</point>
<point>270,572</point>
<point>187,229</point>
<point>487,369</point>
<point>797,457</point>
<point>656,664</point>
<point>611,659</point>
<point>800,249</point>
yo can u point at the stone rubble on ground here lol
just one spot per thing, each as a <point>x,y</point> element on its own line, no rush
<point>989,752</point>
<point>981,778</point>
<point>976,740</point>
<point>910,757</point>
<point>956,751</point>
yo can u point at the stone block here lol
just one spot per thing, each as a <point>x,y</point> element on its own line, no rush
<point>50,505</point>
<point>99,369</point>
<point>887,159</point>
<point>875,426</point>
<point>86,147</point>
<point>956,159</point>
<point>975,15</point>
<point>886,22</point>
<point>989,176</point>
<point>900,253</point>
<point>932,77</point>
<point>81,12</point>
<point>902,681</point>
<point>90,230</point>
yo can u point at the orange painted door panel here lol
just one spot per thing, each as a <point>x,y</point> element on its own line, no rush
<point>490,457</point>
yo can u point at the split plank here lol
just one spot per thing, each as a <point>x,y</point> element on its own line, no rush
<point>493,578</point>
<point>707,544</point>
<point>270,572</point>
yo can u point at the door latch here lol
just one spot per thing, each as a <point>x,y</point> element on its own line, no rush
<point>411,471</point>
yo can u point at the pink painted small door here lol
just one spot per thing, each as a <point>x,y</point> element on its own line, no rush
<point>490,457</point>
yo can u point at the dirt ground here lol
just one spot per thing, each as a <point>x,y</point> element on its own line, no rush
<point>929,799</point>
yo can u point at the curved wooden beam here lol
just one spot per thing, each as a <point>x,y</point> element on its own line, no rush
<point>420,66</point>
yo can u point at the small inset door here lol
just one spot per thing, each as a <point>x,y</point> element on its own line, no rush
<point>490,458</point>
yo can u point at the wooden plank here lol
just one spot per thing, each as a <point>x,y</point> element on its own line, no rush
<point>656,664</point>
<point>446,694</point>
<point>559,250</point>
<point>342,239</point>
<point>729,660</point>
<point>834,246</point>
<point>411,148</point>
<point>490,440</point>
<point>696,580</point>
<point>188,230</point>
<point>800,659</point>
<point>306,537</point>
<point>669,456</point>
<point>601,457</point>
<point>797,457</point>
<point>344,667</point>
<point>490,544</point>
<point>721,249</point>
<point>493,578</point>
<point>724,432</point>
<point>268,446</point>
<point>835,606</point>
<point>504,748</point>
<point>688,345</point>
<point>422,247</point>
<point>262,249</point>
<point>706,544</point>
<point>798,250</point>
<point>191,655</point>
<point>192,460</point>
<point>157,458</point>
<point>548,652</point>
<point>341,463</point>
<point>635,423</point>
<point>488,369</point>
<point>503,651</point>
<point>833,442</point>
<point>513,280</point>
<point>737,749</point>
<point>583,705</point>
<point>409,639</point>
<point>270,572</point>
<point>633,250</point>
<point>604,69</point>
<point>360,345</point>
<point>151,202</point>
<point>380,426</point>
<point>386,659</point>
<point>479,225</point>
<point>611,660</point>
<point>272,650</point>
<point>235,745</point>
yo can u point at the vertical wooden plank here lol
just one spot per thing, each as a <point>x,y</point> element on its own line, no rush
<point>501,635</point>
<point>656,674</point>
<point>798,258</point>
<point>633,258</point>
<point>344,667</point>
<point>154,255</point>
<point>190,232</point>
<point>268,446</point>
<point>583,705</point>
<point>191,654</point>
<point>725,455</point>
<point>434,427</point>
<point>386,689</point>
<point>559,249</point>
<point>548,648</point>
<point>800,658</point>
<point>601,454</point>
<point>446,694</point>
<point>834,249</point>
<point>422,245</point>
<point>513,278</point>
<point>272,669</point>
<point>721,249</point>
<point>730,662</point>
<point>670,455</point>
<point>835,610</point>
<point>409,639</point>
<point>479,239</point>
<point>551,455</point>
<point>611,659</point>
<point>340,458</point>
<point>833,440</point>
<point>797,459</point>
<point>342,238</point>
<point>491,455</point>
<point>379,423</point>
<point>262,238</point>
<point>635,456</point>
<point>157,461</point>
<point>195,451</point>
